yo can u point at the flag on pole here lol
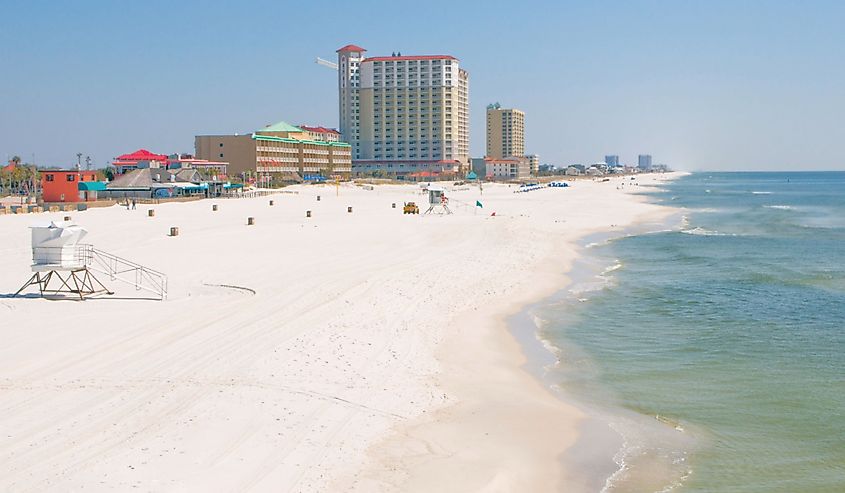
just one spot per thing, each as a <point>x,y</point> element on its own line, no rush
<point>478,204</point>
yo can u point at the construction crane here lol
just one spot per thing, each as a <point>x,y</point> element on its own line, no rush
<point>326,63</point>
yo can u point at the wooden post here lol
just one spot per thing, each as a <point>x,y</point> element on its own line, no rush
<point>151,212</point>
<point>250,221</point>
<point>67,218</point>
<point>271,202</point>
<point>349,209</point>
<point>318,198</point>
<point>307,213</point>
<point>214,207</point>
<point>174,231</point>
<point>393,205</point>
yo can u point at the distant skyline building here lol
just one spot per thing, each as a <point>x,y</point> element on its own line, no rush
<point>404,114</point>
<point>644,161</point>
<point>533,164</point>
<point>611,160</point>
<point>505,132</point>
<point>510,168</point>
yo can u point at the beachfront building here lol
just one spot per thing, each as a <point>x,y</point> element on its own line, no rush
<point>141,158</point>
<point>512,168</point>
<point>644,162</point>
<point>612,160</point>
<point>575,170</point>
<point>277,154</point>
<point>404,115</point>
<point>349,60</point>
<point>216,170</point>
<point>321,134</point>
<point>533,164</point>
<point>505,132</point>
<point>160,182</point>
<point>63,185</point>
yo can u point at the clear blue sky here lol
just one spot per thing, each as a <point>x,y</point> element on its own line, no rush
<point>699,85</point>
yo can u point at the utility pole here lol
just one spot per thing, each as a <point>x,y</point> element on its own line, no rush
<point>88,163</point>
<point>34,179</point>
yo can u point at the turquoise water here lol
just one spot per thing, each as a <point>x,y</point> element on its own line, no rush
<point>723,339</point>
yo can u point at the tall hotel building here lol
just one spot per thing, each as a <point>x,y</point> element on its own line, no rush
<point>404,114</point>
<point>505,132</point>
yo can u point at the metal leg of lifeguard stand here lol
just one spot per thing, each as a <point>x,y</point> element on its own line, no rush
<point>91,280</point>
<point>76,283</point>
<point>62,279</point>
<point>82,285</point>
<point>35,277</point>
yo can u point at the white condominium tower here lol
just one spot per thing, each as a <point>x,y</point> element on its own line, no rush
<point>348,65</point>
<point>404,114</point>
<point>505,132</point>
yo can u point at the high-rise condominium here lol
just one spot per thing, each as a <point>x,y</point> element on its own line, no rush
<point>403,114</point>
<point>348,84</point>
<point>644,161</point>
<point>505,132</point>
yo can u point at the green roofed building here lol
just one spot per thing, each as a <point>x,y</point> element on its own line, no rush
<point>279,153</point>
<point>279,127</point>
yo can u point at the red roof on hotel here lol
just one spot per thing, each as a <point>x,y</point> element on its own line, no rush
<point>403,58</point>
<point>142,155</point>
<point>350,48</point>
<point>319,129</point>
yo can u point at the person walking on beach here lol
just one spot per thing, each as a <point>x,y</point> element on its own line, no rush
<point>133,204</point>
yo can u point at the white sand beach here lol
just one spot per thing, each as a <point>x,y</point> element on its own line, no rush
<point>368,351</point>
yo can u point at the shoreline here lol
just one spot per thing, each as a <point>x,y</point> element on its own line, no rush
<point>599,453</point>
<point>532,462</point>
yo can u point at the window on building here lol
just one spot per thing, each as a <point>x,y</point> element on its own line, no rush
<point>71,177</point>
<point>49,177</point>
<point>221,144</point>
<point>221,154</point>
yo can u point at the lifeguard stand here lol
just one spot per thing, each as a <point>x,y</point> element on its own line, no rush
<point>57,254</point>
<point>437,201</point>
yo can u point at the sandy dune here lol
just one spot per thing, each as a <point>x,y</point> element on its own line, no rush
<point>370,357</point>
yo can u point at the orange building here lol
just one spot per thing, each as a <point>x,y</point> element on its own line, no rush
<point>62,185</point>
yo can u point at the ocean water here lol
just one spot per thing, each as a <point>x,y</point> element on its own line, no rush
<point>716,348</point>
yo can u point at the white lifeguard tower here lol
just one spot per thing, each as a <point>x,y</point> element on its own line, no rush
<point>437,201</point>
<point>58,255</point>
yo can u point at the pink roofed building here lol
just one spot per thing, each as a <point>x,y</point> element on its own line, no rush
<point>321,134</point>
<point>141,158</point>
